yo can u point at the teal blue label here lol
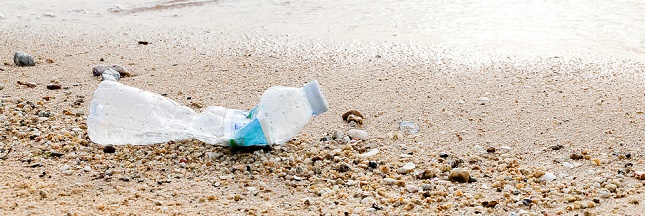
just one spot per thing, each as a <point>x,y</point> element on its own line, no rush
<point>249,135</point>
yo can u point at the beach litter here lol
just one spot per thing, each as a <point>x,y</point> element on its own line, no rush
<point>121,114</point>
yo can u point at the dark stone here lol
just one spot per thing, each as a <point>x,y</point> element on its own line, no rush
<point>344,168</point>
<point>556,147</point>
<point>527,201</point>
<point>23,59</point>
<point>490,150</point>
<point>55,154</point>
<point>109,149</point>
<point>443,155</point>
<point>372,164</point>
<point>143,42</point>
<point>53,86</point>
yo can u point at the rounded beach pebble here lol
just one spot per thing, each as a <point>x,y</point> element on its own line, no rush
<point>459,175</point>
<point>23,59</point>
<point>357,134</point>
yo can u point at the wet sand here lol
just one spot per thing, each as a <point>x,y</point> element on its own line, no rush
<point>500,116</point>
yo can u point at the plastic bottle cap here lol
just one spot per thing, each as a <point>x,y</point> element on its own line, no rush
<point>315,97</point>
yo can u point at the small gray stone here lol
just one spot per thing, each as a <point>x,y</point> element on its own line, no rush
<point>110,74</point>
<point>23,59</point>
<point>1,86</point>
<point>338,134</point>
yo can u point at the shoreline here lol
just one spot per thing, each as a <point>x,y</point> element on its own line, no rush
<point>463,106</point>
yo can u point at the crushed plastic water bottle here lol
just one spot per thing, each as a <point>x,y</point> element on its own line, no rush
<point>121,114</point>
<point>408,127</point>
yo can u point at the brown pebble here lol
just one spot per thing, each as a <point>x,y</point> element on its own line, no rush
<point>344,168</point>
<point>49,60</point>
<point>109,149</point>
<point>490,150</point>
<point>490,204</point>
<point>576,156</point>
<point>356,113</point>
<point>427,174</point>
<point>459,175</point>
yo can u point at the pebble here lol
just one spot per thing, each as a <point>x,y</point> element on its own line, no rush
<point>547,177</point>
<point>357,134</point>
<point>372,164</point>
<point>99,69</point>
<point>575,156</point>
<point>639,175</point>
<point>111,75</point>
<point>23,59</point>
<point>409,166</point>
<point>370,153</point>
<point>28,84</point>
<point>1,86</point>
<point>337,134</point>
<point>459,175</point>
<point>353,115</point>
<point>109,149</point>
<point>53,86</point>
<point>556,147</point>
<point>389,180</point>
<point>87,168</point>
<point>567,165</point>
<point>412,188</point>
<point>428,174</point>
<point>368,201</point>
<point>490,150</point>
<point>443,155</point>
<point>604,193</point>
<point>2,16</point>
<point>344,168</point>
<point>527,201</point>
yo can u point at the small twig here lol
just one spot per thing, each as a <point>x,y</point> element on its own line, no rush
<point>5,156</point>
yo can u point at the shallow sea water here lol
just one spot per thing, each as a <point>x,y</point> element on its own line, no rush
<point>615,28</point>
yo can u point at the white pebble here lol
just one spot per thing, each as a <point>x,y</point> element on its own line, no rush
<point>409,166</point>
<point>251,188</point>
<point>358,134</point>
<point>412,188</point>
<point>368,201</point>
<point>547,176</point>
<point>567,165</point>
<point>87,168</point>
<point>370,153</point>
<point>389,180</point>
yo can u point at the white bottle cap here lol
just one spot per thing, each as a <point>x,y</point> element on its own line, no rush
<point>315,97</point>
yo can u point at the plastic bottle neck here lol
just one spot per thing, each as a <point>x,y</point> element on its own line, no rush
<point>316,99</point>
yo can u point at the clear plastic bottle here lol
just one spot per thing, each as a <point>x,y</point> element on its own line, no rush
<point>121,114</point>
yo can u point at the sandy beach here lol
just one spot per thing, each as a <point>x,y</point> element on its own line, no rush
<point>509,120</point>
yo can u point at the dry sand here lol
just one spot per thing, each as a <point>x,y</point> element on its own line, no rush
<point>462,104</point>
